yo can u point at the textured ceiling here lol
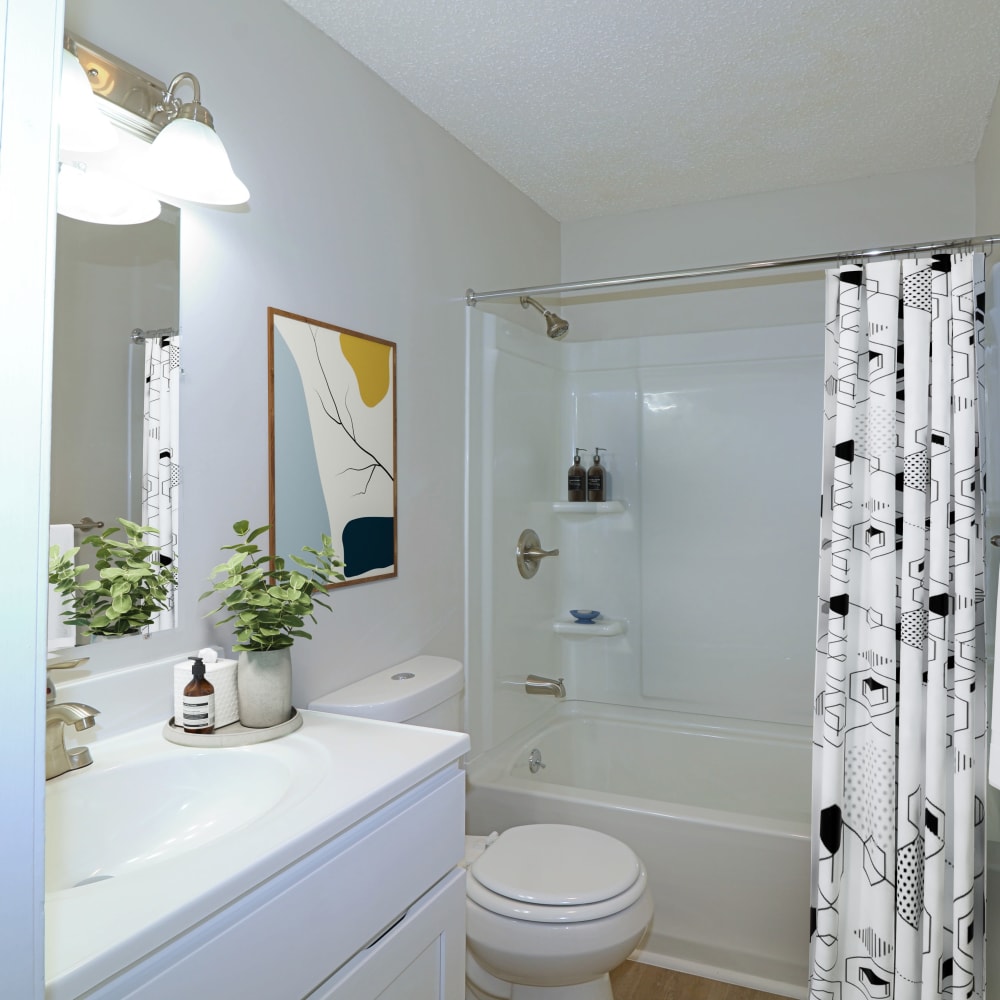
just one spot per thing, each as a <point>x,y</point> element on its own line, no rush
<point>597,107</point>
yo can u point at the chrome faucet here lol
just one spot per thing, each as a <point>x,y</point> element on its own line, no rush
<point>544,685</point>
<point>59,759</point>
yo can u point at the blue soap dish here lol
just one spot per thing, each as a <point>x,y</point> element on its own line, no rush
<point>585,617</point>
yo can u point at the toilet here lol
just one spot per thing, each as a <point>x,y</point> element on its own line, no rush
<point>550,908</point>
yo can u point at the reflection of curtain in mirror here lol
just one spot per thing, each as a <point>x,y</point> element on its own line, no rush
<point>161,474</point>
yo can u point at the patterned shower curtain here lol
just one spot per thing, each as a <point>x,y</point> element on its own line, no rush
<point>161,475</point>
<point>899,777</point>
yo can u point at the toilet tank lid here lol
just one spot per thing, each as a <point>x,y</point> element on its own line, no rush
<point>399,692</point>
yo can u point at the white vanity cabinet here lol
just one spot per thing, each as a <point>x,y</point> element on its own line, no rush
<point>381,907</point>
<point>367,904</point>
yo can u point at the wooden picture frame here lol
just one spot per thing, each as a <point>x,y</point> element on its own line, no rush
<point>332,443</point>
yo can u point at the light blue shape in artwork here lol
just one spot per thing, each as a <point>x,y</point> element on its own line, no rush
<point>299,505</point>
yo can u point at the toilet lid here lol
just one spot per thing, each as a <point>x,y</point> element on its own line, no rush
<point>556,865</point>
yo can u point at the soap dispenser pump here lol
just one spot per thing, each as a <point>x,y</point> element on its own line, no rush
<point>597,479</point>
<point>199,700</point>
<point>576,480</point>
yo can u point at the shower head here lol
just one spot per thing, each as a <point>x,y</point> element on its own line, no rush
<point>555,326</point>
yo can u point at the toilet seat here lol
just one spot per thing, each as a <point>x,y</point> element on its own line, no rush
<point>553,873</point>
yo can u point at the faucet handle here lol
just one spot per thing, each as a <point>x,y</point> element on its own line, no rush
<point>50,684</point>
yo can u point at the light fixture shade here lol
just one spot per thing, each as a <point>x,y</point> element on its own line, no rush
<point>188,161</point>
<point>82,126</point>
<point>94,196</point>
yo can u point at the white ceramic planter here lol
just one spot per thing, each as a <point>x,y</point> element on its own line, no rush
<point>264,687</point>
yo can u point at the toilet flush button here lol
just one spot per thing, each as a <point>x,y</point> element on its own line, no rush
<point>404,676</point>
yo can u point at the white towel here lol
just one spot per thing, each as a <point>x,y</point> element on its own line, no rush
<point>61,635</point>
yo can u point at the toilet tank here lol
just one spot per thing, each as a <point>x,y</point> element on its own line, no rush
<point>422,691</point>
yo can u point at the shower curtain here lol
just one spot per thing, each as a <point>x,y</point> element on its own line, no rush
<point>898,907</point>
<point>161,473</point>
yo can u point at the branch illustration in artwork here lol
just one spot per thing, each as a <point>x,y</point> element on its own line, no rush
<point>342,417</point>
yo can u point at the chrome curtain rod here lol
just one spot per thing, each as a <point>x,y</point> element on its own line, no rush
<point>847,257</point>
<point>138,335</point>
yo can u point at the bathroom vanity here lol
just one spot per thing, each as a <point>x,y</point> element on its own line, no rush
<point>320,865</point>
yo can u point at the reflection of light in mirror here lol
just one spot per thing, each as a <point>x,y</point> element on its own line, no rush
<point>95,196</point>
<point>657,402</point>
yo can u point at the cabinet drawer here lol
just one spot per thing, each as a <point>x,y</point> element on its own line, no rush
<point>421,958</point>
<point>291,933</point>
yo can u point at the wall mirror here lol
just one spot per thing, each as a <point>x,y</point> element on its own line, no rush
<point>111,281</point>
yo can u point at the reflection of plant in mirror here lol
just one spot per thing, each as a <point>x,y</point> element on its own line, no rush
<point>133,582</point>
<point>270,603</point>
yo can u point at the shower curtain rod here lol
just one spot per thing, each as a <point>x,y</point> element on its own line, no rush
<point>851,256</point>
<point>138,335</point>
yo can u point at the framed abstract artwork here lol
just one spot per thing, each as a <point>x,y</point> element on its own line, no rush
<point>332,443</point>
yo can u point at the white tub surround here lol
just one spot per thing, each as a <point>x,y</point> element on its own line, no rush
<point>717,809</point>
<point>277,901</point>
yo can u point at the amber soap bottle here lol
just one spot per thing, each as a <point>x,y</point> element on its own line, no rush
<point>597,479</point>
<point>576,480</point>
<point>199,701</point>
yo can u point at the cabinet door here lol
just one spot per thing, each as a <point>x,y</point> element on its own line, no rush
<point>421,958</point>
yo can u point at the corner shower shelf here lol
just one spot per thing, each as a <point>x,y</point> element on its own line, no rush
<point>602,627</point>
<point>588,507</point>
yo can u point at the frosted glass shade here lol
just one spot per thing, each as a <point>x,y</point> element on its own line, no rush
<point>188,161</point>
<point>82,126</point>
<point>94,196</point>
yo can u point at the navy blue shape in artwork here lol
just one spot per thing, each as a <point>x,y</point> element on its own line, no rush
<point>369,543</point>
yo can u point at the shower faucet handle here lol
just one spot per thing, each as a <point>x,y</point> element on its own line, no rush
<point>529,553</point>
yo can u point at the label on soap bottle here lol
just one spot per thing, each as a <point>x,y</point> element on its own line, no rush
<point>198,713</point>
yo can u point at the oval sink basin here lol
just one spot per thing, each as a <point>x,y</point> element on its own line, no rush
<point>103,823</point>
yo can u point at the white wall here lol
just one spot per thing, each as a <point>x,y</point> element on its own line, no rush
<point>988,176</point>
<point>851,215</point>
<point>365,214</point>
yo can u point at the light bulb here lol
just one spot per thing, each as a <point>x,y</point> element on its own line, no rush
<point>187,160</point>
<point>82,126</point>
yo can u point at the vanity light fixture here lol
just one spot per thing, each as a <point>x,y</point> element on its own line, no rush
<point>185,159</point>
<point>82,127</point>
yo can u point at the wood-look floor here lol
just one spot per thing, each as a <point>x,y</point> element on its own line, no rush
<point>632,981</point>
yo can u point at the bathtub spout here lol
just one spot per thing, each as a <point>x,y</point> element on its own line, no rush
<point>544,685</point>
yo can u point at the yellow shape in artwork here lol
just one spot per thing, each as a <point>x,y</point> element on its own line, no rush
<point>370,361</point>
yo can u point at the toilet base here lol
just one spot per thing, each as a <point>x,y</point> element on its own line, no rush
<point>596,989</point>
<point>483,985</point>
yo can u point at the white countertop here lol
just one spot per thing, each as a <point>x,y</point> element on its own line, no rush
<point>345,770</point>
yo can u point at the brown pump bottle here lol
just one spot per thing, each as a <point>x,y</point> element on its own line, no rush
<point>576,480</point>
<point>199,701</point>
<point>597,479</point>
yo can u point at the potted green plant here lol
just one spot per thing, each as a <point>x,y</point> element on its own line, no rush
<point>132,583</point>
<point>268,602</point>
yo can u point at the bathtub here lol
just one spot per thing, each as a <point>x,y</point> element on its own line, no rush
<point>717,809</point>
